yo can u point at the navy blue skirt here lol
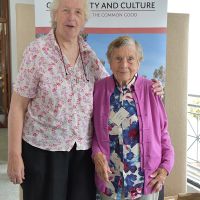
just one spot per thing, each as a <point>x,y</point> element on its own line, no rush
<point>59,175</point>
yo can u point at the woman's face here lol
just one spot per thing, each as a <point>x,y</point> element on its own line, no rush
<point>124,63</point>
<point>70,18</point>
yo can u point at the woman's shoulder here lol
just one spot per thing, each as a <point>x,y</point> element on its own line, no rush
<point>144,86</point>
<point>86,48</point>
<point>103,81</point>
<point>40,42</point>
<point>34,46</point>
<point>84,45</point>
<point>105,84</point>
<point>144,81</point>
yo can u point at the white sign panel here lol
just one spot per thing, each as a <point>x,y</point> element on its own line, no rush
<point>42,14</point>
<point>112,14</point>
<point>129,13</point>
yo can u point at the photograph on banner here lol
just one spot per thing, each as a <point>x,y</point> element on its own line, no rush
<point>153,64</point>
<point>145,21</point>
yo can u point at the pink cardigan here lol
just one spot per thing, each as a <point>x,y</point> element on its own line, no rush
<point>155,145</point>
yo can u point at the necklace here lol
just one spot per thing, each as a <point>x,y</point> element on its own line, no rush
<point>63,61</point>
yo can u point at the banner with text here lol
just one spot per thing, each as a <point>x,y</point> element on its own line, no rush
<point>145,21</point>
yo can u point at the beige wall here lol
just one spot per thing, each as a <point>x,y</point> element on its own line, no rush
<point>25,28</point>
<point>176,97</point>
<point>176,84</point>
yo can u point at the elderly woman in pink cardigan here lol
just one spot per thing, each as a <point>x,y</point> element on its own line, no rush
<point>131,146</point>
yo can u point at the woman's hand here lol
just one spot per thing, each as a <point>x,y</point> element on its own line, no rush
<point>157,87</point>
<point>101,166</point>
<point>158,179</point>
<point>18,108</point>
<point>15,169</point>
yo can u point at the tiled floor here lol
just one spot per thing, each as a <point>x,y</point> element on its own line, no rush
<point>8,191</point>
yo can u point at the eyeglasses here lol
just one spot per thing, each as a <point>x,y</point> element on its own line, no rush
<point>119,59</point>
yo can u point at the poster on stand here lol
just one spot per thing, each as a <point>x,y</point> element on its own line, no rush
<point>145,21</point>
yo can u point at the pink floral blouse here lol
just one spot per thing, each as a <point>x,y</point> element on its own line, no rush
<point>61,96</point>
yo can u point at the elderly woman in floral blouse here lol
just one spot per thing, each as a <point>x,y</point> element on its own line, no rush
<point>131,147</point>
<point>50,127</point>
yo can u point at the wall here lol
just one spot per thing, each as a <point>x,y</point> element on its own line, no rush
<point>13,34</point>
<point>176,97</point>
<point>190,7</point>
<point>24,18</point>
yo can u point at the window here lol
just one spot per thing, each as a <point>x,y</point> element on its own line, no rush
<point>193,140</point>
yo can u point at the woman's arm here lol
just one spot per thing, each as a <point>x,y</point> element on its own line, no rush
<point>17,111</point>
<point>158,179</point>
<point>167,161</point>
<point>101,166</point>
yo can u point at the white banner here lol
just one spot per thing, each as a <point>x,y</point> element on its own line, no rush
<point>112,14</point>
<point>146,21</point>
<point>42,14</point>
<point>127,14</point>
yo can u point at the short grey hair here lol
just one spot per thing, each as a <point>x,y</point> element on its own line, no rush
<point>124,41</point>
<point>54,6</point>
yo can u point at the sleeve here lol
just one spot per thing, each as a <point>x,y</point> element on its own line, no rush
<point>28,77</point>
<point>95,144</point>
<point>95,147</point>
<point>97,66</point>
<point>167,161</point>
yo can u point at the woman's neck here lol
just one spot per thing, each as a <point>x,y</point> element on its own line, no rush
<point>66,43</point>
<point>69,47</point>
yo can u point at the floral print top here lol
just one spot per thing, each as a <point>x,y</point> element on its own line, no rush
<point>61,104</point>
<point>127,177</point>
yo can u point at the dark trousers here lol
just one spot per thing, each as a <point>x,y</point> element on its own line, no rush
<point>58,175</point>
